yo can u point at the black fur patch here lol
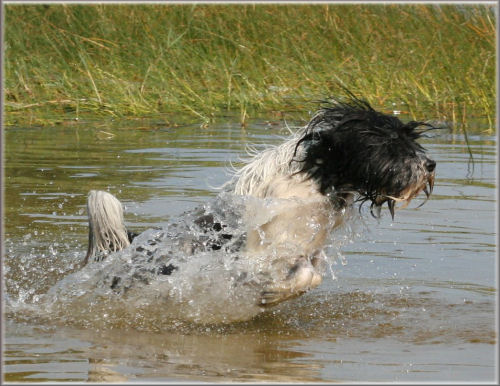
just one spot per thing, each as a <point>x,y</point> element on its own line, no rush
<point>213,229</point>
<point>166,269</point>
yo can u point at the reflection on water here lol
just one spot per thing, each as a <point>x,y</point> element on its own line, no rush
<point>409,300</point>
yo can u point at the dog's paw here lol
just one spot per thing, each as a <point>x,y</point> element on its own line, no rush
<point>301,278</point>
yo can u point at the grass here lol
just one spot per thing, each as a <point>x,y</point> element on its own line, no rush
<point>96,60</point>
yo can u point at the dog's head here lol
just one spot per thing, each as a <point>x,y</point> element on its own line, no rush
<point>349,147</point>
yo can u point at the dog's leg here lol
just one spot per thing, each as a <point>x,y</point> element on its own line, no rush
<point>301,277</point>
<point>107,232</point>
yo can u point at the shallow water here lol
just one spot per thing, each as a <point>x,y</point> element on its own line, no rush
<point>411,300</point>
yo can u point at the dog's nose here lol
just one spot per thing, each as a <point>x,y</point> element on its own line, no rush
<point>430,165</point>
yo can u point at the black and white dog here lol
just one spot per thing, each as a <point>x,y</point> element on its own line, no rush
<point>297,193</point>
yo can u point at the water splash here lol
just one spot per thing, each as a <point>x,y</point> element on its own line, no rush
<point>194,269</point>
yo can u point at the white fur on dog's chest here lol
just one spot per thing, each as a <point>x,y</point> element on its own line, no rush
<point>295,219</point>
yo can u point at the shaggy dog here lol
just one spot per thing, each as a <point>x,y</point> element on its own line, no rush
<point>302,189</point>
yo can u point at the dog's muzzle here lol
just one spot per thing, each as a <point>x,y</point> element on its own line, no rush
<point>430,167</point>
<point>424,183</point>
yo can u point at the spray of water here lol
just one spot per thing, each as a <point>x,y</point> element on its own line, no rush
<point>174,275</point>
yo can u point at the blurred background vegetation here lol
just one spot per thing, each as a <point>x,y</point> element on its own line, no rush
<point>67,61</point>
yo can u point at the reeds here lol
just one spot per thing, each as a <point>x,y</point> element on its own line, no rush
<point>70,61</point>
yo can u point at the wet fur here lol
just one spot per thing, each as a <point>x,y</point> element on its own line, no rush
<point>348,152</point>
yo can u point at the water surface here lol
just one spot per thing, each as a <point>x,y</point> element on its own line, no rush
<point>408,300</point>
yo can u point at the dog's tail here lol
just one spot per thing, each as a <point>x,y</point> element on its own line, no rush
<point>107,232</point>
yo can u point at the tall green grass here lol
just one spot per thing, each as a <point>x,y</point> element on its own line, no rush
<point>141,60</point>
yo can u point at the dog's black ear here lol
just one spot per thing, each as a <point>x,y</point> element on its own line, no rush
<point>305,142</point>
<point>321,158</point>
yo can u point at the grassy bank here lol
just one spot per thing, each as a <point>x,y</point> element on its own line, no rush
<point>73,61</point>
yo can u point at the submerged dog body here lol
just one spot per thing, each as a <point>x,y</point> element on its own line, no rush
<point>300,192</point>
